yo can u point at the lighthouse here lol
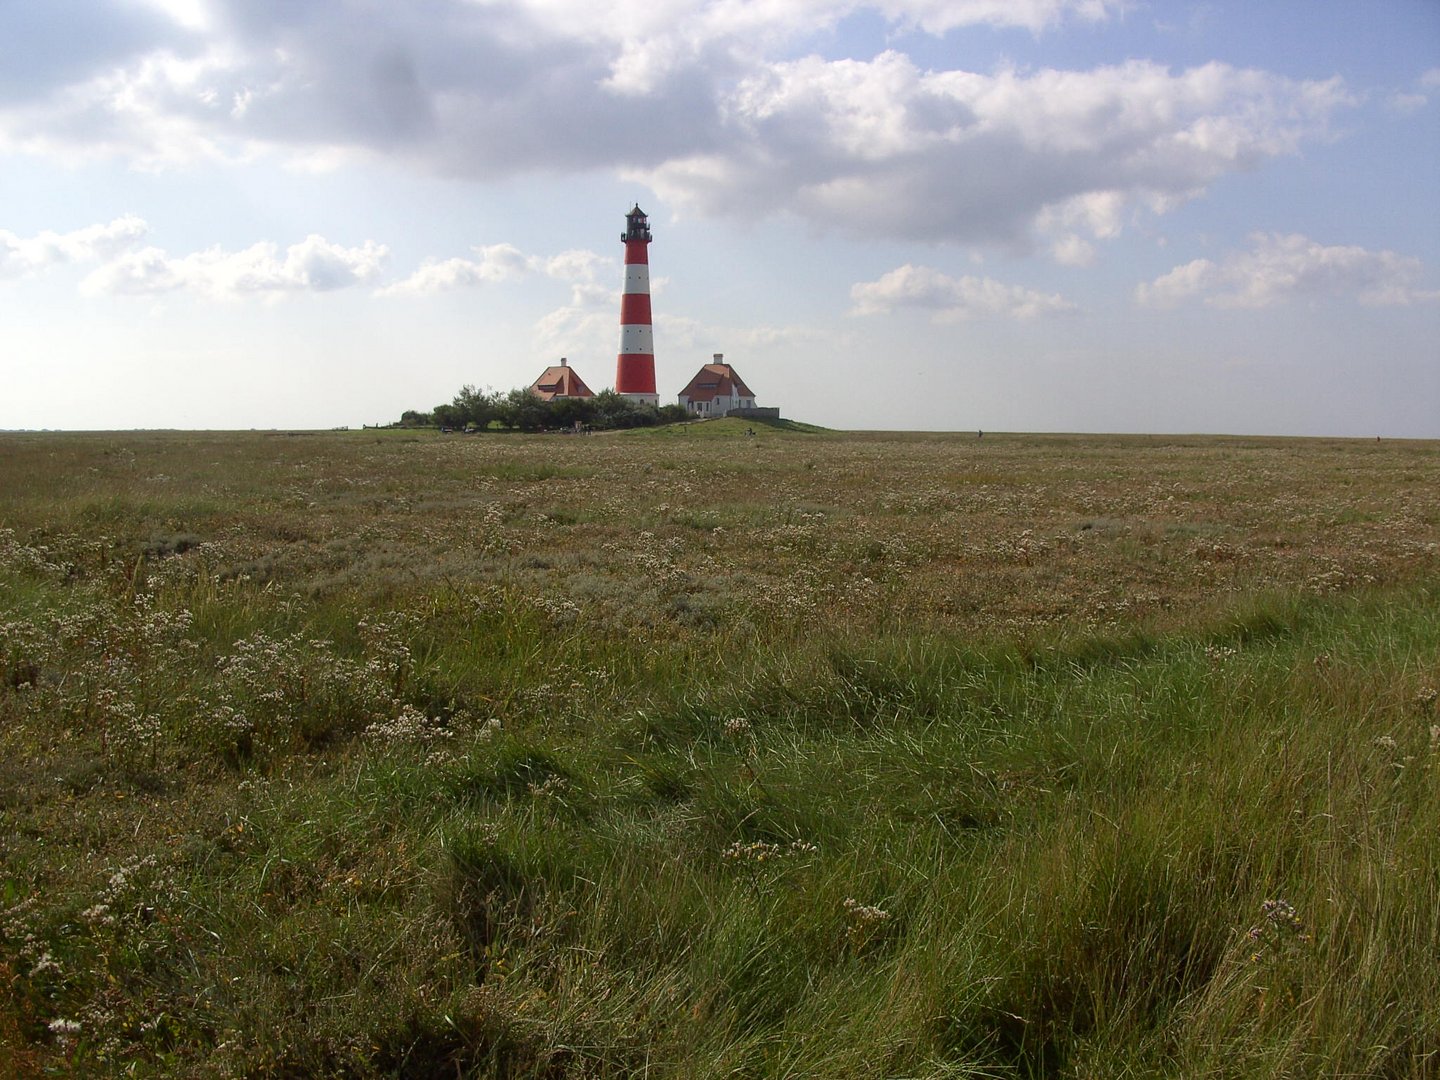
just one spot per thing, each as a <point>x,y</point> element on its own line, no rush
<point>635,367</point>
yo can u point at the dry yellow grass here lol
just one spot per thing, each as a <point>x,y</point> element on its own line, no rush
<point>1005,535</point>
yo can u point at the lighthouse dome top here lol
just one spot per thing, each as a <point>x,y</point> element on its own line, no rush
<point>637,225</point>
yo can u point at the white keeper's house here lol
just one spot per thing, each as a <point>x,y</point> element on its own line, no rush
<point>715,390</point>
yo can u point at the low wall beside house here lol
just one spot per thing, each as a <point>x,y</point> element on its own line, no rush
<point>755,414</point>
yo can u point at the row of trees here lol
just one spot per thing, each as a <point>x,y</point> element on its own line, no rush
<point>520,410</point>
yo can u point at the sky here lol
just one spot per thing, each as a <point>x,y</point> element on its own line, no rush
<point>1017,215</point>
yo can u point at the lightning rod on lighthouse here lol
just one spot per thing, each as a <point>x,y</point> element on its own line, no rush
<point>635,366</point>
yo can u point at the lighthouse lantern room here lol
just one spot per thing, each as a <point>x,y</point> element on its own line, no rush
<point>635,366</point>
<point>637,226</point>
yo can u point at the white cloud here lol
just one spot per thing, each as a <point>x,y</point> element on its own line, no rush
<point>1101,213</point>
<point>25,256</point>
<point>593,278</point>
<point>578,331</point>
<point>493,263</point>
<point>496,263</point>
<point>1408,101</point>
<point>1281,268</point>
<point>190,14</point>
<point>705,101</point>
<point>1072,250</point>
<point>940,16</point>
<point>882,148</point>
<point>313,265</point>
<point>585,326</point>
<point>952,299</point>
<point>651,40</point>
<point>442,276</point>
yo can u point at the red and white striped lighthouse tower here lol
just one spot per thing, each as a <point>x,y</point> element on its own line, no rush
<point>635,368</point>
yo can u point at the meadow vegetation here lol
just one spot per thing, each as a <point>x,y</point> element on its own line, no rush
<point>686,753</point>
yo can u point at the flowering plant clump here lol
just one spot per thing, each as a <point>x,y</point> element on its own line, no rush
<point>281,693</point>
<point>759,852</point>
<point>410,725</point>
<point>21,936</point>
<point>29,559</point>
<point>65,1031</point>
<point>1278,943</point>
<point>1027,547</point>
<point>1218,654</point>
<point>863,923</point>
<point>116,668</point>
<point>553,785</point>
<point>24,654</point>
<point>1280,918</point>
<point>737,727</point>
<point>131,924</point>
<point>658,560</point>
<point>489,535</point>
<point>558,611</point>
<point>183,564</point>
<point>388,658</point>
<point>126,931</point>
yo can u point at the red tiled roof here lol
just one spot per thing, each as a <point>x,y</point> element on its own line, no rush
<point>559,381</point>
<point>716,380</point>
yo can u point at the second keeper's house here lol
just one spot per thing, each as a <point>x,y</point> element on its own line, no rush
<point>560,382</point>
<point>715,390</point>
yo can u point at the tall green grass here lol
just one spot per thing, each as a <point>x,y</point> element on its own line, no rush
<point>444,825</point>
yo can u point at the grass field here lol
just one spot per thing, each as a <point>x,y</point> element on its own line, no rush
<point>687,753</point>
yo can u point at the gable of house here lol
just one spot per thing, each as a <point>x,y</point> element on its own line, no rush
<point>715,381</point>
<point>560,381</point>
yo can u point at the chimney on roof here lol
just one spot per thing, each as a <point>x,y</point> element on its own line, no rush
<point>564,362</point>
<point>719,358</point>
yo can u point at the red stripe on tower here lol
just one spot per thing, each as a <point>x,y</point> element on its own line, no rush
<point>635,366</point>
